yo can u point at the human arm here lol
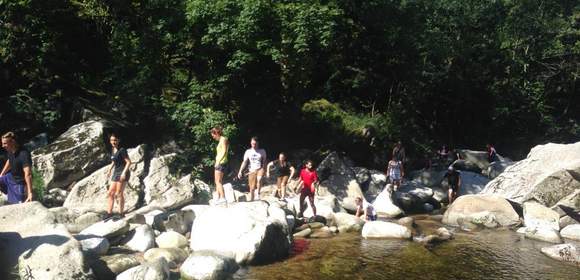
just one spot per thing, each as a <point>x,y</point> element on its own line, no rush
<point>358,211</point>
<point>5,168</point>
<point>270,164</point>
<point>28,181</point>
<point>110,169</point>
<point>292,171</point>
<point>402,170</point>
<point>127,165</point>
<point>366,213</point>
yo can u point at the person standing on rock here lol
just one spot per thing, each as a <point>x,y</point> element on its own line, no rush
<point>307,186</point>
<point>16,176</point>
<point>454,180</point>
<point>285,173</point>
<point>221,161</point>
<point>399,152</point>
<point>491,153</point>
<point>120,164</point>
<point>256,158</point>
<point>366,209</point>
<point>395,172</point>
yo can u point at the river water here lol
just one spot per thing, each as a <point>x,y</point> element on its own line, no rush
<point>487,254</point>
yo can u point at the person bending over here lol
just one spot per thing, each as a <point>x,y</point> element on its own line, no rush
<point>285,173</point>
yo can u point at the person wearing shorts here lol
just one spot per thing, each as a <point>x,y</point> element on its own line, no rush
<point>256,159</point>
<point>454,180</point>
<point>16,175</point>
<point>395,172</point>
<point>221,161</point>
<point>366,209</point>
<point>285,173</point>
<point>307,185</point>
<point>120,164</point>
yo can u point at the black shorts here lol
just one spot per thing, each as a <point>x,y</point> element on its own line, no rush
<point>455,188</point>
<point>117,176</point>
<point>221,167</point>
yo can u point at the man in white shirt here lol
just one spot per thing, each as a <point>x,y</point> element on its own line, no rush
<point>257,161</point>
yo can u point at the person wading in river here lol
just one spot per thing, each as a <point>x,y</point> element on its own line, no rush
<point>120,164</point>
<point>17,171</point>
<point>221,161</point>
<point>454,180</point>
<point>395,172</point>
<point>257,160</point>
<point>307,186</point>
<point>285,173</point>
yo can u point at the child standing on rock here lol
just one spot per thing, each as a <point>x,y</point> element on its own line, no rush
<point>395,172</point>
<point>307,186</point>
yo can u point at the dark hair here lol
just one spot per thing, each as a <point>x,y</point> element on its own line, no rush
<point>113,134</point>
<point>217,130</point>
<point>255,138</point>
<point>308,161</point>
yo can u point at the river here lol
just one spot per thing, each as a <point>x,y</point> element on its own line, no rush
<point>487,254</point>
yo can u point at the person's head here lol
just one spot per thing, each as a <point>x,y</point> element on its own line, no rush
<point>450,169</point>
<point>282,157</point>
<point>399,144</point>
<point>489,146</point>
<point>216,132</point>
<point>309,164</point>
<point>9,141</point>
<point>114,140</point>
<point>254,142</point>
<point>358,200</point>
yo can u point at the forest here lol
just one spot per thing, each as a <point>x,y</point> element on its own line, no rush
<point>352,76</point>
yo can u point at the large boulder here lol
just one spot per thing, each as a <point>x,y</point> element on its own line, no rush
<point>93,245</point>
<point>547,175</point>
<point>171,239</point>
<point>481,209</point>
<point>73,155</point>
<point>245,232</point>
<point>108,228</point>
<point>90,193</point>
<point>568,205</point>
<point>563,252</point>
<point>164,190</point>
<point>153,270</point>
<point>376,184</point>
<point>571,232</point>
<point>173,256</point>
<point>108,267</point>
<point>207,266</point>
<point>537,215</point>
<point>141,239</point>
<point>541,233</point>
<point>43,249</point>
<point>380,229</point>
<point>337,178</point>
<point>384,205</point>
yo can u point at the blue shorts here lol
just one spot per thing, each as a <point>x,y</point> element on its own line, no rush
<point>15,192</point>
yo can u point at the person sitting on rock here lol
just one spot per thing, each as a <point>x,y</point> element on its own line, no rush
<point>257,160</point>
<point>366,209</point>
<point>221,161</point>
<point>307,186</point>
<point>491,153</point>
<point>395,172</point>
<point>120,164</point>
<point>17,171</point>
<point>285,173</point>
<point>454,180</point>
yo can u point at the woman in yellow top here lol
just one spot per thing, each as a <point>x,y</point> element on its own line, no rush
<point>221,160</point>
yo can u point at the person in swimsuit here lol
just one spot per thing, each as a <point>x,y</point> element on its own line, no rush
<point>395,172</point>
<point>221,161</point>
<point>16,175</point>
<point>256,158</point>
<point>120,164</point>
<point>285,173</point>
<point>366,209</point>
<point>307,186</point>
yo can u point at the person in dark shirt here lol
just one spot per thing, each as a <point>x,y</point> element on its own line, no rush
<point>120,164</point>
<point>285,173</point>
<point>454,180</point>
<point>16,176</point>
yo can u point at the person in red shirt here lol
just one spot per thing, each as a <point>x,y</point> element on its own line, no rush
<point>307,185</point>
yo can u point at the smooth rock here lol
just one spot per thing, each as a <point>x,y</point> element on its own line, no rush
<point>337,178</point>
<point>173,256</point>
<point>467,207</point>
<point>303,233</point>
<point>380,229</point>
<point>571,232</point>
<point>73,155</point>
<point>171,239</point>
<point>141,238</point>
<point>563,252</point>
<point>108,267</point>
<point>542,234</point>
<point>108,228</point>
<point>567,220</point>
<point>93,245</point>
<point>83,221</point>
<point>207,266</point>
<point>384,205</point>
<point>537,215</point>
<point>152,270</point>
<point>348,221</point>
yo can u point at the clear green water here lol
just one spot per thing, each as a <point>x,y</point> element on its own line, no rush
<point>499,254</point>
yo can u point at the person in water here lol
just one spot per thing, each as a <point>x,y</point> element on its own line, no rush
<point>395,172</point>
<point>454,180</point>
<point>285,173</point>
<point>120,164</point>
<point>307,185</point>
<point>366,209</point>
<point>256,158</point>
<point>16,175</point>
<point>221,161</point>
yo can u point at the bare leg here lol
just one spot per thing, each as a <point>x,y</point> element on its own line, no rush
<point>120,194</point>
<point>218,177</point>
<point>450,195</point>
<point>302,197</point>
<point>311,199</point>
<point>111,196</point>
<point>259,180</point>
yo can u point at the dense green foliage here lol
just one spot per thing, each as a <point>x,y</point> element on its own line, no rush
<point>349,75</point>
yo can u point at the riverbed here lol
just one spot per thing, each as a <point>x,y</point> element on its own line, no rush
<point>486,254</point>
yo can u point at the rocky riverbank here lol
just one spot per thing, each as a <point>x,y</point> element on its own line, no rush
<point>173,230</point>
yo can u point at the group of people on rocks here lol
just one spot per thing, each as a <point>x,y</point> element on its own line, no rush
<point>16,174</point>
